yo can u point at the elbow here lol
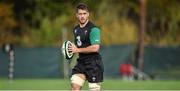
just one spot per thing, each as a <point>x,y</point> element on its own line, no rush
<point>96,48</point>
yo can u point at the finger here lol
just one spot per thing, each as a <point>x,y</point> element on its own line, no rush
<point>71,52</point>
<point>70,49</point>
<point>72,44</point>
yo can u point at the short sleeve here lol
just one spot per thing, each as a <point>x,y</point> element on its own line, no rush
<point>95,36</point>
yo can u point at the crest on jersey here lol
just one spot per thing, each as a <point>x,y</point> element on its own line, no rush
<point>85,32</point>
<point>75,30</point>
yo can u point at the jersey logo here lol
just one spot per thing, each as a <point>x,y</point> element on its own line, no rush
<point>75,31</point>
<point>96,40</point>
<point>93,78</point>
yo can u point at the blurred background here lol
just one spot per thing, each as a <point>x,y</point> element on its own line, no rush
<point>140,38</point>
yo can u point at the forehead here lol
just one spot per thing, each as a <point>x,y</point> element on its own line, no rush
<point>82,11</point>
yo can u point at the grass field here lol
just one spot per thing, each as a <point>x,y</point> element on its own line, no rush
<point>108,84</point>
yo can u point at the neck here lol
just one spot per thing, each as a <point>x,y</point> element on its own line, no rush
<point>84,24</point>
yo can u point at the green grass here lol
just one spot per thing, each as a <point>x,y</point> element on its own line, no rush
<point>108,84</point>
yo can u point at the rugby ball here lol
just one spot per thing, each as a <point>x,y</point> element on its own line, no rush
<point>67,54</point>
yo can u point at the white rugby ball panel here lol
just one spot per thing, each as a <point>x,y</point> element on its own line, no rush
<point>67,54</point>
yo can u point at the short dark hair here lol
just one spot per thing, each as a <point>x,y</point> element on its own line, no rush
<point>82,6</point>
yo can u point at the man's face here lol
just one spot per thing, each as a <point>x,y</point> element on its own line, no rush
<point>82,16</point>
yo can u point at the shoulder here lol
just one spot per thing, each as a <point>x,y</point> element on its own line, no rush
<point>95,29</point>
<point>75,28</point>
<point>93,26</point>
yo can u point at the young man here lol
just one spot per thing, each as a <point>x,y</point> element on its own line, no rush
<point>87,43</point>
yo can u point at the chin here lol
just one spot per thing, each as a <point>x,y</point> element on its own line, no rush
<point>82,22</point>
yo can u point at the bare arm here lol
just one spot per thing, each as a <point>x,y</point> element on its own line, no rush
<point>89,49</point>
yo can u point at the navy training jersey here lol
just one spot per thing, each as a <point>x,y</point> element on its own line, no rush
<point>86,36</point>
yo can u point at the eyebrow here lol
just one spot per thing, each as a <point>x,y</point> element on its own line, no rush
<point>83,13</point>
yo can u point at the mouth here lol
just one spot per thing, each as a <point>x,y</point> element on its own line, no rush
<point>83,20</point>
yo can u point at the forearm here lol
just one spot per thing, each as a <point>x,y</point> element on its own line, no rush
<point>89,49</point>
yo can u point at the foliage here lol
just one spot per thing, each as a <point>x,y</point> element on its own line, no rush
<point>162,22</point>
<point>7,24</point>
<point>40,22</point>
<point>116,27</point>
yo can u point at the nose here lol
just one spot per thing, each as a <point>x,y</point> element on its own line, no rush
<point>82,15</point>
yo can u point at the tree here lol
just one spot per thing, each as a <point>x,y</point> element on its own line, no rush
<point>162,26</point>
<point>7,24</point>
